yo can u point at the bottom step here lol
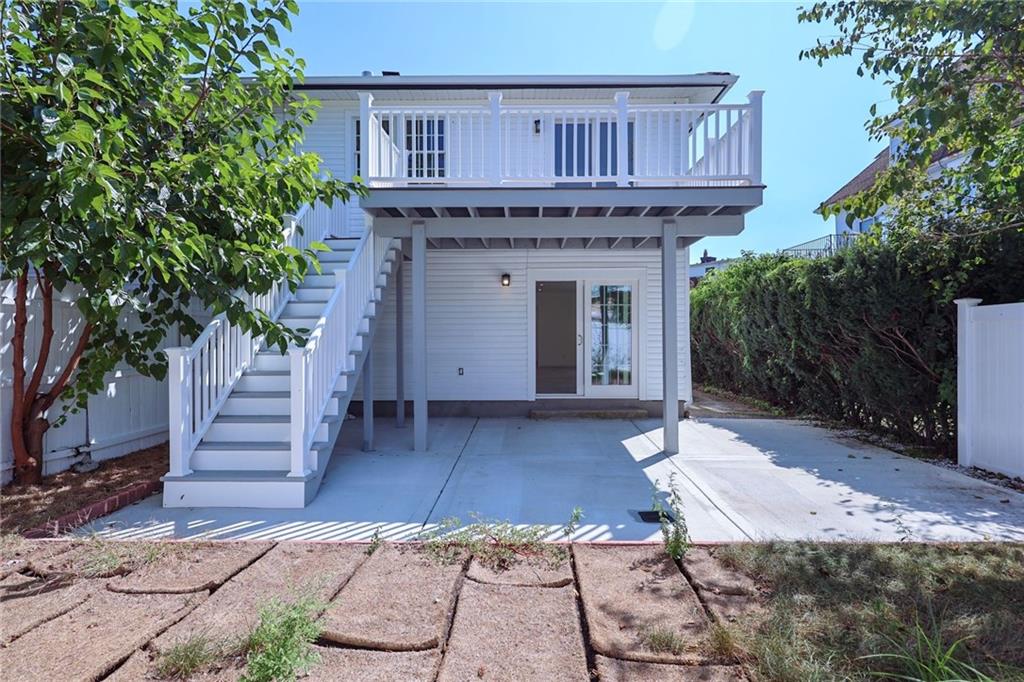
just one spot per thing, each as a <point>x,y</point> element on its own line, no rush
<point>589,414</point>
<point>257,489</point>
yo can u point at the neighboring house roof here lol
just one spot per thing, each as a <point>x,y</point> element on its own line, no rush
<point>861,181</point>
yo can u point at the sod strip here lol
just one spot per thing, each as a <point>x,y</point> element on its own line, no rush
<point>398,600</point>
<point>615,670</point>
<point>503,632</point>
<point>287,572</point>
<point>27,602</point>
<point>638,605</point>
<point>525,573</point>
<point>729,595</point>
<point>188,567</point>
<point>366,665</point>
<point>88,641</point>
<point>140,666</point>
<point>17,553</point>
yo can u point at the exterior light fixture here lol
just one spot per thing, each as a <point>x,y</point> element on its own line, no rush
<point>536,126</point>
<point>506,279</point>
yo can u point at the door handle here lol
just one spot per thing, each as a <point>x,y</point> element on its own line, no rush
<point>579,339</point>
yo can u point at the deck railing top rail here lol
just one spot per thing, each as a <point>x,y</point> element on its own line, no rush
<point>549,144</point>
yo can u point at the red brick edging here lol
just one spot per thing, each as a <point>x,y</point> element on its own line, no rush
<point>74,519</point>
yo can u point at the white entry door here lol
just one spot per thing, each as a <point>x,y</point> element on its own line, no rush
<point>612,337</point>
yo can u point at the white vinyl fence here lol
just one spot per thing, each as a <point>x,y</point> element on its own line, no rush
<point>990,386</point>
<point>129,414</point>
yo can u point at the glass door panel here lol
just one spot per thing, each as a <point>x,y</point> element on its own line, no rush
<point>612,332</point>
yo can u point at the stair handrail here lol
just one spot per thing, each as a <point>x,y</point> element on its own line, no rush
<point>201,376</point>
<point>316,367</point>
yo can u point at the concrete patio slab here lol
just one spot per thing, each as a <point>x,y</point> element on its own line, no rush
<point>740,479</point>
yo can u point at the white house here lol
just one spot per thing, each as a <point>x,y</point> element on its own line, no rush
<point>525,243</point>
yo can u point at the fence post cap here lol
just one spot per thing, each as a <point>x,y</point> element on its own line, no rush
<point>967,302</point>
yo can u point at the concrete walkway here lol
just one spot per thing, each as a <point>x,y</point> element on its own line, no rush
<point>739,478</point>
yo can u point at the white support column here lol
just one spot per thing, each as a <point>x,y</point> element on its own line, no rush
<point>179,385</point>
<point>419,335</point>
<point>495,137</point>
<point>366,148</point>
<point>670,336</point>
<point>622,138</point>
<point>297,365</point>
<point>964,378</point>
<point>756,121</point>
<point>400,339</point>
<point>368,400</point>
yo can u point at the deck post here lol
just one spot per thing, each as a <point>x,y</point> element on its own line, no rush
<point>368,399</point>
<point>400,338</point>
<point>622,138</point>
<point>756,118</point>
<point>670,336</point>
<point>369,155</point>
<point>419,335</point>
<point>495,137</point>
<point>179,383</point>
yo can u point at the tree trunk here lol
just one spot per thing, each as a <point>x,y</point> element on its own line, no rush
<point>28,421</point>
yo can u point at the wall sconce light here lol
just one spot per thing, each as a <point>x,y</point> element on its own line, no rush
<point>506,279</point>
<point>536,126</point>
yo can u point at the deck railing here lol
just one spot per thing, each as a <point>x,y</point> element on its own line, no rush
<point>316,367</point>
<point>822,247</point>
<point>201,376</point>
<point>496,144</point>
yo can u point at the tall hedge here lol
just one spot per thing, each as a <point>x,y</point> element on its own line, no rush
<point>866,337</point>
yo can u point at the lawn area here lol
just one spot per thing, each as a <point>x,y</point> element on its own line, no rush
<point>844,611</point>
<point>509,607</point>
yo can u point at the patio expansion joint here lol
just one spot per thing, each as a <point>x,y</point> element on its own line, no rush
<point>737,520</point>
<point>451,472</point>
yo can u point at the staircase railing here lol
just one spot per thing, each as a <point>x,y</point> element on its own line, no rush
<point>201,376</point>
<point>316,368</point>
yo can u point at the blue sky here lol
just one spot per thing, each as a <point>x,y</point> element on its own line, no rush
<point>814,138</point>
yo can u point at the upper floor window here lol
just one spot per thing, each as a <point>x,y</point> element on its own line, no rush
<point>576,144</point>
<point>425,146</point>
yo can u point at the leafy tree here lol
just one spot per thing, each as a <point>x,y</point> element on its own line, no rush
<point>956,72</point>
<point>145,175</point>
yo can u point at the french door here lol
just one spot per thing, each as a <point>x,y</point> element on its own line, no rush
<point>599,360</point>
<point>611,338</point>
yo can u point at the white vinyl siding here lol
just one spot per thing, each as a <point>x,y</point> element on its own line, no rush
<point>476,324</point>
<point>331,136</point>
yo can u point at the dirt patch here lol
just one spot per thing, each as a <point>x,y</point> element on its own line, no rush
<point>638,605</point>
<point>503,632</point>
<point>27,602</point>
<point>17,553</point>
<point>32,506</point>
<point>191,567</point>
<point>712,403</point>
<point>615,670</point>
<point>709,574</point>
<point>728,594</point>
<point>526,573</point>
<point>398,600</point>
<point>288,571</point>
<point>364,665</point>
<point>88,641</point>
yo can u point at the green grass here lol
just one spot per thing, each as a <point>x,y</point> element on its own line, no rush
<point>663,641</point>
<point>497,544</point>
<point>281,645</point>
<point>184,659</point>
<point>895,611</point>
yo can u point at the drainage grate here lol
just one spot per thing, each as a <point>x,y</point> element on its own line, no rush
<point>654,517</point>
